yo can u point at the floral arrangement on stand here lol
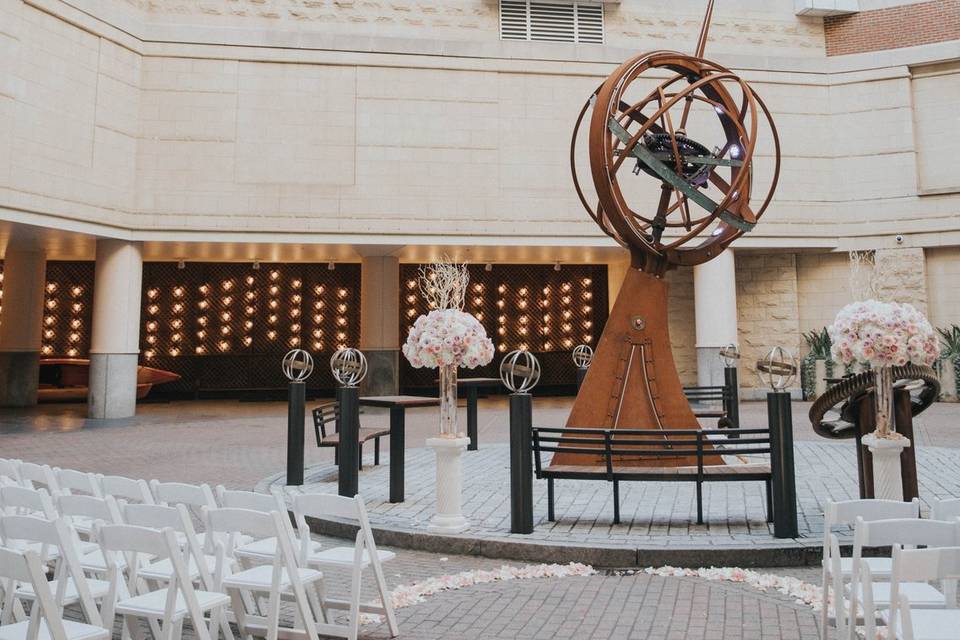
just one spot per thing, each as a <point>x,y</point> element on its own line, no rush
<point>447,337</point>
<point>883,335</point>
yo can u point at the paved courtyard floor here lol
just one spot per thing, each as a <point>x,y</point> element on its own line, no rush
<point>239,443</point>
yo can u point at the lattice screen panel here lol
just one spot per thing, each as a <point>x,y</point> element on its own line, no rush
<point>67,309</point>
<point>531,307</point>
<point>225,326</point>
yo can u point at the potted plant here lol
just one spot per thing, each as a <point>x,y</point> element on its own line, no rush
<point>817,364</point>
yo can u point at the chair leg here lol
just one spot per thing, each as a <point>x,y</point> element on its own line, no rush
<point>699,502</point>
<point>336,456</point>
<point>769,500</point>
<point>354,622</point>
<point>360,456</point>
<point>376,452</point>
<point>550,515</point>
<point>616,502</point>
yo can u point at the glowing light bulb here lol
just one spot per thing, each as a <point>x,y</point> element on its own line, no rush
<point>411,313</point>
<point>294,328</point>
<point>318,289</point>
<point>152,293</point>
<point>76,291</point>
<point>247,341</point>
<point>227,301</point>
<point>51,304</point>
<point>204,289</point>
<point>227,285</point>
<point>178,307</point>
<point>271,334</point>
<point>202,321</point>
<point>587,282</point>
<point>175,337</point>
<point>153,309</point>
<point>342,293</point>
<point>174,352</point>
<point>47,349</point>
<point>502,288</point>
<point>203,304</point>
<point>318,304</point>
<point>49,320</point>
<point>318,318</point>
<point>411,284</point>
<point>200,350</point>
<point>273,290</point>
<point>342,308</point>
<point>48,334</point>
<point>225,316</point>
<point>152,325</point>
<point>522,304</point>
<point>178,292</point>
<point>176,324</point>
<point>274,275</point>
<point>296,284</point>
<point>225,330</point>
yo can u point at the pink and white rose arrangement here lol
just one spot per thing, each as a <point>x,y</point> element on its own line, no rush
<point>448,337</point>
<point>883,334</point>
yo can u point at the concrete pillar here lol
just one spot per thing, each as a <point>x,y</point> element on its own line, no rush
<point>24,275</point>
<point>380,323</point>
<point>715,304</point>
<point>115,338</point>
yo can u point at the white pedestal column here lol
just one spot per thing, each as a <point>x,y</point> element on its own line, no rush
<point>449,517</point>
<point>887,476</point>
<point>820,377</point>
<point>24,276</point>
<point>715,304</point>
<point>115,338</point>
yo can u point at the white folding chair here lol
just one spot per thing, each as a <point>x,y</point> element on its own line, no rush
<point>945,509</point>
<point>167,606</point>
<point>836,569</point>
<point>69,583</point>
<point>282,577</point>
<point>9,471</point>
<point>903,621</point>
<point>18,500</point>
<point>362,555</point>
<point>878,595</point>
<point>200,567</point>
<point>127,490</point>
<point>245,548</point>
<point>90,510</point>
<point>45,621</point>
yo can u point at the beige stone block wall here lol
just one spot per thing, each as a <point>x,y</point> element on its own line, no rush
<point>823,288</point>
<point>943,286</point>
<point>901,276</point>
<point>767,309</point>
<point>937,125</point>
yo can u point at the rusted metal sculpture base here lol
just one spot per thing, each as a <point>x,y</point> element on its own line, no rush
<point>903,419</point>
<point>632,382</point>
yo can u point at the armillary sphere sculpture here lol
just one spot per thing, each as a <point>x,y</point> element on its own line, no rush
<point>694,127</point>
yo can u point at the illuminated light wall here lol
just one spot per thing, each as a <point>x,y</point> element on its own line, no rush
<point>225,326</point>
<point>532,307</point>
<point>67,309</point>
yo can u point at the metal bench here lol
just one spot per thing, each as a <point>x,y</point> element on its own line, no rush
<point>328,415</point>
<point>720,400</point>
<point>617,447</point>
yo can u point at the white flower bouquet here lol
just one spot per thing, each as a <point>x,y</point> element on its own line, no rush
<point>883,334</point>
<point>448,337</point>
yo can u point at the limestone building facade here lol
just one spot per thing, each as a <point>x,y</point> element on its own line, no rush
<point>392,131</point>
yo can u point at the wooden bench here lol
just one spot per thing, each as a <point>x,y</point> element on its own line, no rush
<point>712,396</point>
<point>617,447</point>
<point>328,415</point>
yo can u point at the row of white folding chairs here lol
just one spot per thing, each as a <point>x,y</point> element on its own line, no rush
<point>859,583</point>
<point>244,550</point>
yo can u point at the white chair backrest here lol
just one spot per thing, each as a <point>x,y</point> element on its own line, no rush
<point>39,476</point>
<point>16,500</point>
<point>945,509</point>
<point>258,524</point>
<point>235,499</point>
<point>154,516</point>
<point>127,489</point>
<point>909,532</point>
<point>9,471</point>
<point>72,482</point>
<point>25,566</point>
<point>322,505</point>
<point>845,513</point>
<point>924,565</point>
<point>103,509</point>
<point>192,495</point>
<point>53,533</point>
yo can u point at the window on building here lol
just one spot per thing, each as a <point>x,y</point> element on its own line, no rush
<point>545,21</point>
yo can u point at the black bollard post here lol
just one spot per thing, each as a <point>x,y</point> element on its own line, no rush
<point>521,470</point>
<point>780,419</point>
<point>348,399</point>
<point>731,398</point>
<point>581,374</point>
<point>295,430</point>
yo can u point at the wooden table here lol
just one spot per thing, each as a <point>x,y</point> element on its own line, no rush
<point>398,406</point>
<point>472,385</point>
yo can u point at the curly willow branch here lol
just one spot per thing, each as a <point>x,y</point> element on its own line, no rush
<point>444,284</point>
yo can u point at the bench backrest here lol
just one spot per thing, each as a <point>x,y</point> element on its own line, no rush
<point>326,415</point>
<point>616,445</point>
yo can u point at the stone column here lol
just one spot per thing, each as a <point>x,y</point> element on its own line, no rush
<point>115,338</point>
<point>24,275</point>
<point>380,323</point>
<point>715,304</point>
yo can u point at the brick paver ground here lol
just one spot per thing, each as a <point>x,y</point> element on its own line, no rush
<point>238,443</point>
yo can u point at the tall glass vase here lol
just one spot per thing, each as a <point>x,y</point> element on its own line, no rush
<point>448,401</point>
<point>883,395</point>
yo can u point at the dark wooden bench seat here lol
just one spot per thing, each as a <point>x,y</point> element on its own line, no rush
<point>617,447</point>
<point>328,415</point>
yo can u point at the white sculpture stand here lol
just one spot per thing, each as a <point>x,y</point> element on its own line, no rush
<point>449,517</point>
<point>887,476</point>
